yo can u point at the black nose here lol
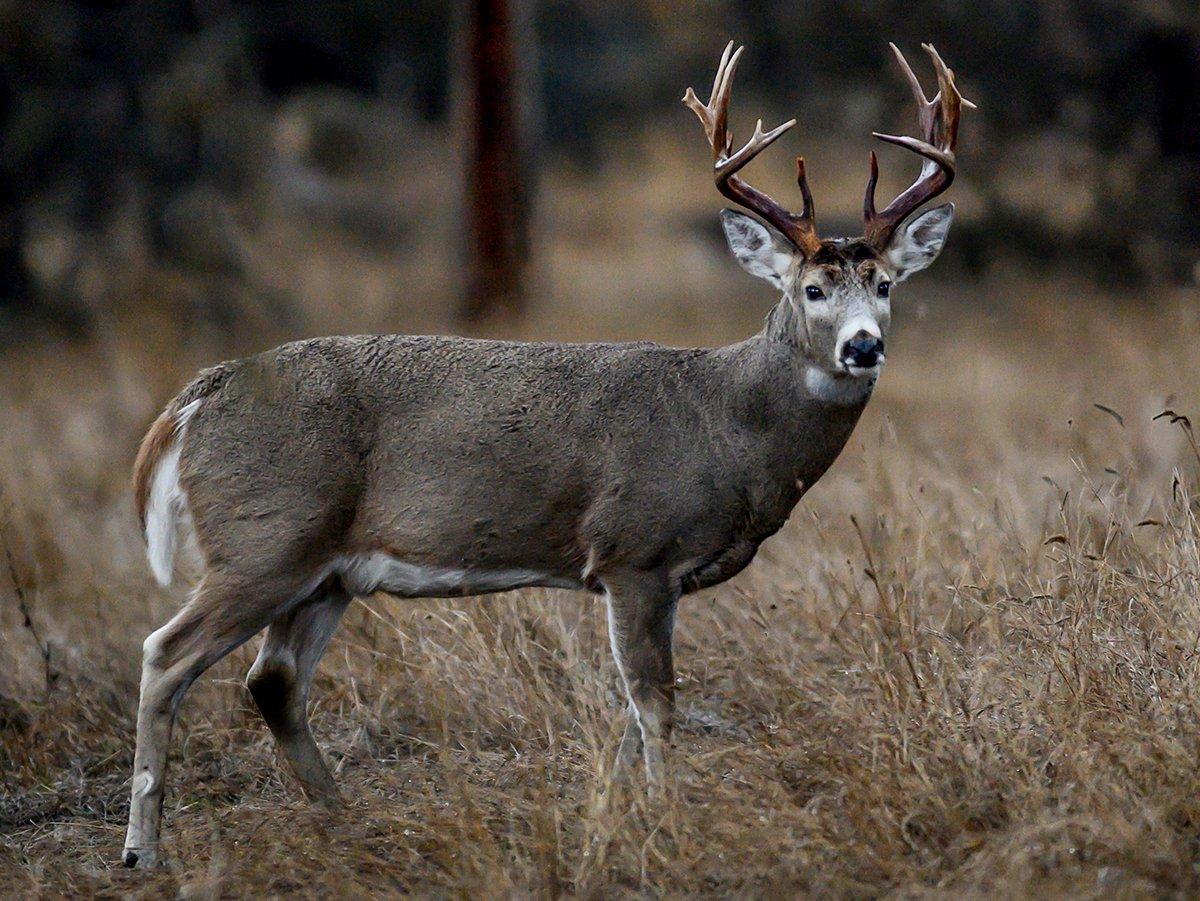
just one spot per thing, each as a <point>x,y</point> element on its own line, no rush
<point>864,350</point>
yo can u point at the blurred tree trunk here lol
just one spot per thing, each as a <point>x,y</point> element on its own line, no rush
<point>497,200</point>
<point>16,285</point>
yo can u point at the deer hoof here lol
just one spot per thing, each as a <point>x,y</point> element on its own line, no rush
<point>139,858</point>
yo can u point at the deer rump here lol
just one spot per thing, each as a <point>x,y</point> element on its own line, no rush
<point>433,467</point>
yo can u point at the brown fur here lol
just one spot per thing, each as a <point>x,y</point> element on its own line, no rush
<point>162,433</point>
<point>156,443</point>
<point>643,471</point>
<point>843,253</point>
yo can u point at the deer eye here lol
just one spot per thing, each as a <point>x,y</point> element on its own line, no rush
<point>885,288</point>
<point>812,292</point>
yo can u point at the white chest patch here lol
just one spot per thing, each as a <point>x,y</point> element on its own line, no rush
<point>365,574</point>
<point>841,390</point>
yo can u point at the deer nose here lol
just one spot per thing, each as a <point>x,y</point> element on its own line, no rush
<point>864,350</point>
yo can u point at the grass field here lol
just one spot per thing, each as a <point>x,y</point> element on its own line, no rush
<point>968,665</point>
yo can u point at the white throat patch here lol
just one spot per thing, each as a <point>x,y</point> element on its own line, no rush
<point>839,390</point>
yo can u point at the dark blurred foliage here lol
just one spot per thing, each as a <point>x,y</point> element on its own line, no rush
<point>165,105</point>
<point>1111,90</point>
<point>164,108</point>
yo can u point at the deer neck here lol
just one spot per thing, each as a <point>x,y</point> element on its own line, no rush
<point>802,413</point>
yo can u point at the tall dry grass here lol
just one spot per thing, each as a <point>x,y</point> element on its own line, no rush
<point>967,666</point>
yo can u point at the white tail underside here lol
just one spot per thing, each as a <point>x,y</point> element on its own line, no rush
<point>167,503</point>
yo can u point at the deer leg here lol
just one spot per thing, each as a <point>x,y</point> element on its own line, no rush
<point>631,746</point>
<point>219,618</point>
<point>641,617</point>
<point>281,676</point>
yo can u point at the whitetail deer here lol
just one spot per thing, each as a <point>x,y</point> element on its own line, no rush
<point>436,467</point>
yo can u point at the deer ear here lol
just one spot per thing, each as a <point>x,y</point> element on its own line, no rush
<point>919,243</point>
<point>762,251</point>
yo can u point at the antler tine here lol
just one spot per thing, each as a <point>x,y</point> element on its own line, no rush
<point>710,114</point>
<point>805,193</point>
<point>938,122</point>
<point>759,141</point>
<point>869,197</point>
<point>725,55</point>
<point>924,107</point>
<point>718,101</point>
<point>714,116</point>
<point>944,70</point>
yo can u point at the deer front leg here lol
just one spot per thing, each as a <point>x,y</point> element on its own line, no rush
<point>641,617</point>
<point>630,749</point>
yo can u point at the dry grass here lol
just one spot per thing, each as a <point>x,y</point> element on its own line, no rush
<point>968,666</point>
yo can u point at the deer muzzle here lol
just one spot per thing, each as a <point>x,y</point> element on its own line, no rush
<point>861,353</point>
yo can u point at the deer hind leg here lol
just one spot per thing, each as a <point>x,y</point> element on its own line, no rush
<point>223,613</point>
<point>280,679</point>
<point>641,618</point>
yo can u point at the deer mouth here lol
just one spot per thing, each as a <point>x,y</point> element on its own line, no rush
<point>859,371</point>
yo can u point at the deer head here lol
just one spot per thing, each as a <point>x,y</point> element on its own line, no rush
<point>839,290</point>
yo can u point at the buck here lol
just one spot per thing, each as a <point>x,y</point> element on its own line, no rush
<point>334,468</point>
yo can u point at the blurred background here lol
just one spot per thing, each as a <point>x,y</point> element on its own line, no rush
<point>231,174</point>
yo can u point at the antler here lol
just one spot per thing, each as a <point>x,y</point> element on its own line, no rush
<point>938,121</point>
<point>714,116</point>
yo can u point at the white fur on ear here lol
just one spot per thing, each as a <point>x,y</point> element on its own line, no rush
<point>761,250</point>
<point>919,243</point>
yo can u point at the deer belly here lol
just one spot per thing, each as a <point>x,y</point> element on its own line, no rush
<point>364,574</point>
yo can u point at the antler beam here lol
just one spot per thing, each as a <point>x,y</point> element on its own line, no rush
<point>938,123</point>
<point>800,229</point>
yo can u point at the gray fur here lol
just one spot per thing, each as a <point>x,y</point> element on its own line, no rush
<point>429,466</point>
<point>570,460</point>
